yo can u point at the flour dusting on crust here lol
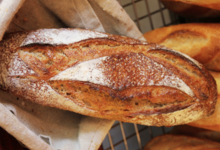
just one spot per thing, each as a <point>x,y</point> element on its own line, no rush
<point>87,71</point>
<point>123,71</point>
<point>17,67</point>
<point>57,36</point>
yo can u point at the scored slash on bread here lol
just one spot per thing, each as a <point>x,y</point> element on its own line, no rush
<point>106,76</point>
<point>211,122</point>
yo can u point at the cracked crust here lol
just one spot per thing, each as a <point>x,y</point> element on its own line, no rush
<point>106,76</point>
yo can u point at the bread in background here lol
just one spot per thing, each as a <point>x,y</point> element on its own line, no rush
<point>198,40</point>
<point>196,132</point>
<point>214,4</point>
<point>180,142</point>
<point>190,10</point>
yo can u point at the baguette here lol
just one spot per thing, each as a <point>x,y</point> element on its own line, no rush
<point>191,11</point>
<point>180,142</point>
<point>213,4</point>
<point>198,40</point>
<point>106,76</point>
<point>196,132</point>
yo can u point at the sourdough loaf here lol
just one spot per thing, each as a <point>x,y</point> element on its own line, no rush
<point>180,142</point>
<point>106,76</point>
<point>198,40</point>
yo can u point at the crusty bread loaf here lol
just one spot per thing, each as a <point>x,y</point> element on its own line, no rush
<point>181,142</point>
<point>214,4</point>
<point>196,132</point>
<point>212,122</point>
<point>106,76</point>
<point>191,11</point>
<point>198,40</point>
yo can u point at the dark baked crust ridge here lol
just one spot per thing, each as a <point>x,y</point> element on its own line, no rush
<point>76,53</point>
<point>192,75</point>
<point>145,100</point>
<point>188,65</point>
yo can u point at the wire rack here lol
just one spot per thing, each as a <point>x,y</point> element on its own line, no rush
<point>148,15</point>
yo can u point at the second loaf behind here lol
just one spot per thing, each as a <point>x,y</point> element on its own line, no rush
<point>199,41</point>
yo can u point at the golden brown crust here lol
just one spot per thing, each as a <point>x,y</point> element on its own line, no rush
<point>190,10</point>
<point>180,142</point>
<point>211,122</point>
<point>196,132</point>
<point>106,76</point>
<point>197,40</point>
<point>214,4</point>
<point>129,102</point>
